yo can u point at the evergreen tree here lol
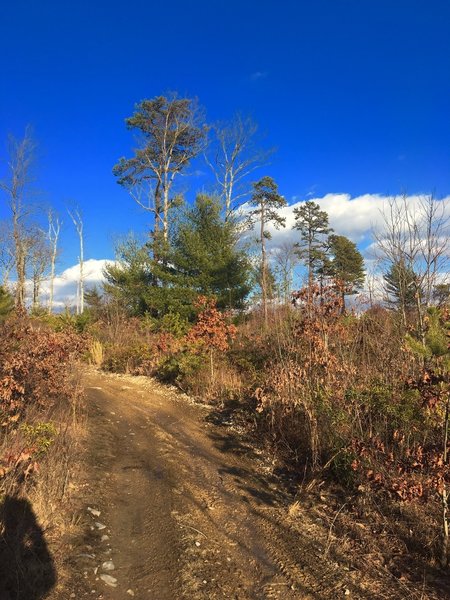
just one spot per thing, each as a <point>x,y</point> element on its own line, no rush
<point>312,223</point>
<point>266,202</point>
<point>402,287</point>
<point>94,301</point>
<point>6,303</point>
<point>346,265</point>
<point>201,258</point>
<point>128,278</point>
<point>204,257</point>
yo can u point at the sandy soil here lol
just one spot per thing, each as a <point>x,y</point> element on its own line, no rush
<point>190,511</point>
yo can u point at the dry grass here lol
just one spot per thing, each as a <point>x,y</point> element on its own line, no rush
<point>96,353</point>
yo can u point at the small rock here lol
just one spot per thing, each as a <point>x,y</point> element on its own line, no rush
<point>109,580</point>
<point>347,592</point>
<point>100,525</point>
<point>94,512</point>
<point>197,544</point>
<point>108,565</point>
<point>130,592</point>
<point>204,581</point>
<point>72,595</point>
<point>95,570</point>
<point>104,538</point>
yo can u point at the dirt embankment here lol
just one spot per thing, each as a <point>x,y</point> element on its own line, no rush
<point>174,506</point>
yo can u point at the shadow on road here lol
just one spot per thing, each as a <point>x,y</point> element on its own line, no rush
<point>27,570</point>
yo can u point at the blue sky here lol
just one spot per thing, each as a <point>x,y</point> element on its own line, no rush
<point>354,93</point>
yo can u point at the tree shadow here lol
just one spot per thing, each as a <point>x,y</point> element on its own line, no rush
<point>27,571</point>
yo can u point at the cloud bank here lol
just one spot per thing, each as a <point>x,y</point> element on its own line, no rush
<point>65,284</point>
<point>355,217</point>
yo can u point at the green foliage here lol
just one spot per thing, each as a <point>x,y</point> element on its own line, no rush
<point>166,124</point>
<point>128,279</point>
<point>6,303</point>
<point>384,406</point>
<point>40,435</point>
<point>94,301</point>
<point>176,368</point>
<point>347,263</point>
<point>203,258</point>
<point>402,286</point>
<point>266,202</point>
<point>312,223</point>
<point>441,294</point>
<point>436,341</point>
<point>174,324</point>
<point>436,338</point>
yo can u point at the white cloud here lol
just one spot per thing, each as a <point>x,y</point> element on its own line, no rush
<point>65,284</point>
<point>355,217</point>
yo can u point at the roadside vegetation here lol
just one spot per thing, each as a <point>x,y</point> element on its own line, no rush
<point>344,382</point>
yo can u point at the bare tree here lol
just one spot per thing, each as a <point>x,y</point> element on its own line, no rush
<point>235,156</point>
<point>21,156</point>
<point>414,246</point>
<point>39,255</point>
<point>77,220</point>
<point>6,252</point>
<point>54,228</point>
<point>172,134</point>
<point>434,247</point>
<point>286,258</point>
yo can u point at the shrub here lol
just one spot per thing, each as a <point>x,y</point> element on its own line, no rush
<point>180,368</point>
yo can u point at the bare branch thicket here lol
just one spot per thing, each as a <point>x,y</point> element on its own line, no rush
<point>77,220</point>
<point>415,238</point>
<point>285,259</point>
<point>39,259</point>
<point>7,254</point>
<point>235,157</point>
<point>16,188</point>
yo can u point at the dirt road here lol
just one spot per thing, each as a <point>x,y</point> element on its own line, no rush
<point>186,510</point>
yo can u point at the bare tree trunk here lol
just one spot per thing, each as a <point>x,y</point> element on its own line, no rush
<point>166,203</point>
<point>263,267</point>
<point>21,272</point>
<point>78,223</point>
<point>54,227</point>
<point>236,156</point>
<point>16,186</point>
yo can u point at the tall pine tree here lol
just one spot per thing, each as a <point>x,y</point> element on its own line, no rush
<point>346,266</point>
<point>265,202</point>
<point>312,223</point>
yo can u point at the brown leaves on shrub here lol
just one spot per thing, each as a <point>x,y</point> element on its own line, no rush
<point>211,329</point>
<point>33,367</point>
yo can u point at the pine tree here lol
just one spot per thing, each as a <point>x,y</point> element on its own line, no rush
<point>266,202</point>
<point>312,223</point>
<point>402,287</point>
<point>173,135</point>
<point>128,278</point>
<point>346,265</point>
<point>202,258</point>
